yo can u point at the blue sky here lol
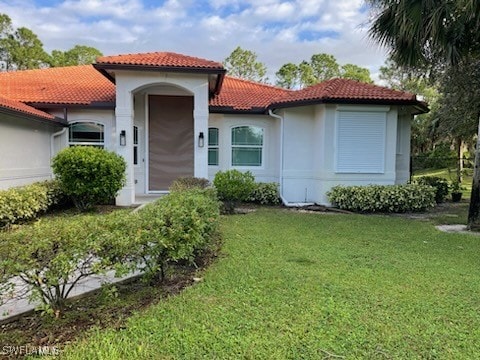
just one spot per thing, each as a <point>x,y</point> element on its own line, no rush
<point>279,31</point>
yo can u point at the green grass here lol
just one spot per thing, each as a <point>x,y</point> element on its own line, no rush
<point>302,286</point>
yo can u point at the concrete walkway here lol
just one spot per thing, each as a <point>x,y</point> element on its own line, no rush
<point>16,304</point>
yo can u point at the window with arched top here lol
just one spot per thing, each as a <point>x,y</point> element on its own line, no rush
<point>247,146</point>
<point>86,134</point>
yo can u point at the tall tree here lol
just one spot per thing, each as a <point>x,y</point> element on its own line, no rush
<point>244,64</point>
<point>321,67</point>
<point>25,50</point>
<point>287,76</point>
<point>78,55</point>
<point>324,67</point>
<point>432,32</point>
<point>355,72</point>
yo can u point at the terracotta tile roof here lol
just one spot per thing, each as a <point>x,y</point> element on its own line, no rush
<point>19,107</point>
<point>160,60</point>
<point>243,95</point>
<point>345,90</point>
<point>75,85</point>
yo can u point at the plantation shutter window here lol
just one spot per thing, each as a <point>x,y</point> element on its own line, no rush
<point>360,142</point>
<point>213,148</point>
<point>247,146</point>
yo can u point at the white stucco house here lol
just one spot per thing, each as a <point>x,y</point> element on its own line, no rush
<point>172,115</point>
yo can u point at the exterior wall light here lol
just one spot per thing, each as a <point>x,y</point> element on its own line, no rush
<point>123,138</point>
<point>201,140</point>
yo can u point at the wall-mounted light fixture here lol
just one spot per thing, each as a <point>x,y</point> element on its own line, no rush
<point>201,139</point>
<point>123,138</point>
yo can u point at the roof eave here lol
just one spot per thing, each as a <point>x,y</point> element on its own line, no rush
<point>232,110</point>
<point>56,121</point>
<point>186,69</point>
<point>420,106</point>
<point>106,105</point>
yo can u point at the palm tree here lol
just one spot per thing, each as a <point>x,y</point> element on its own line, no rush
<point>427,33</point>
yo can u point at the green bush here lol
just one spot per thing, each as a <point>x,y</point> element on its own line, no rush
<point>383,198</point>
<point>52,255</point>
<point>89,175</point>
<point>176,227</point>
<point>265,194</point>
<point>440,157</point>
<point>233,187</point>
<point>27,202</point>
<point>440,184</point>
<point>189,182</point>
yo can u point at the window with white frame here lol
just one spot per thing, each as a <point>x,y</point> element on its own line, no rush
<point>213,147</point>
<point>86,134</point>
<point>247,146</point>
<point>135,145</point>
<point>360,142</point>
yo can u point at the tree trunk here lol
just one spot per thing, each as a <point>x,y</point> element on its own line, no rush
<point>474,209</point>
<point>459,144</point>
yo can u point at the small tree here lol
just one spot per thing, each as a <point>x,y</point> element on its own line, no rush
<point>233,187</point>
<point>89,175</point>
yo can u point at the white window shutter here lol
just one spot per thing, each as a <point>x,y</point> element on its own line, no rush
<point>360,142</point>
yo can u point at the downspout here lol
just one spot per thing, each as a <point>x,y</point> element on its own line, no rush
<point>280,178</point>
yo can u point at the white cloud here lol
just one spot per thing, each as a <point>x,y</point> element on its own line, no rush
<point>271,28</point>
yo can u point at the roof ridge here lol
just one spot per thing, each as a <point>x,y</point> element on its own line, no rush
<point>270,86</point>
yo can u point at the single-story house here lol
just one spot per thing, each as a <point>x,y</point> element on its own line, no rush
<point>172,115</point>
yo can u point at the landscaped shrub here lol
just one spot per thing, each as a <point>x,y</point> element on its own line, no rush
<point>176,227</point>
<point>440,184</point>
<point>383,198</point>
<point>89,175</point>
<point>265,194</point>
<point>52,255</point>
<point>189,182</point>
<point>26,202</point>
<point>233,187</point>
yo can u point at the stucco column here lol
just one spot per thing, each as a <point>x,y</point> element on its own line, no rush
<point>200,121</point>
<point>124,122</point>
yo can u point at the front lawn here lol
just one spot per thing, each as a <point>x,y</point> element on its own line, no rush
<point>294,285</point>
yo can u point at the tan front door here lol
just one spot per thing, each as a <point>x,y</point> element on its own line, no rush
<point>170,140</point>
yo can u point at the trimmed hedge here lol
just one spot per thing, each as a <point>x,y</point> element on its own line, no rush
<point>233,186</point>
<point>383,198</point>
<point>89,175</point>
<point>265,194</point>
<point>441,186</point>
<point>27,202</point>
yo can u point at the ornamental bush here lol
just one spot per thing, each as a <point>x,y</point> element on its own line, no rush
<point>51,256</point>
<point>265,194</point>
<point>89,175</point>
<point>441,186</point>
<point>175,227</point>
<point>383,198</point>
<point>27,202</point>
<point>233,187</point>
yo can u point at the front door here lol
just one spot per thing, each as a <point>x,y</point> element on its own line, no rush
<point>170,140</point>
